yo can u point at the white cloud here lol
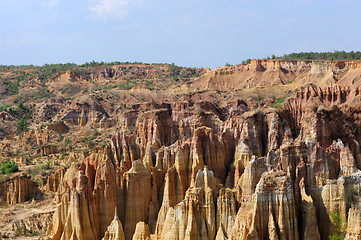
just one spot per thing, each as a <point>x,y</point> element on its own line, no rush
<point>185,19</point>
<point>51,3</point>
<point>104,9</point>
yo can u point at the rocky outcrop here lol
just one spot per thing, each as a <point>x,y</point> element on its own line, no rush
<point>353,231</point>
<point>260,73</point>
<point>142,232</point>
<point>18,188</point>
<point>195,216</point>
<point>36,223</point>
<point>59,127</point>
<point>82,112</point>
<point>309,218</point>
<point>48,149</point>
<point>271,213</point>
<point>86,195</point>
<point>68,76</point>
<point>137,196</point>
<point>115,230</point>
<point>53,181</point>
<point>124,71</point>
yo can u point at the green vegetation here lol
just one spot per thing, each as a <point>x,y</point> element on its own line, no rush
<point>278,102</point>
<point>329,56</point>
<point>67,141</point>
<point>70,89</point>
<point>88,141</point>
<point>46,166</point>
<point>5,236</point>
<point>8,167</point>
<point>340,225</point>
<point>246,61</point>
<point>21,231</point>
<point>20,112</point>
<point>22,124</point>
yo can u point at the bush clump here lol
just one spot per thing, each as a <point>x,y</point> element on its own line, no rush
<point>8,167</point>
<point>340,226</point>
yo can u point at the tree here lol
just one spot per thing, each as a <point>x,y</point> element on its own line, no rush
<point>22,125</point>
<point>8,167</point>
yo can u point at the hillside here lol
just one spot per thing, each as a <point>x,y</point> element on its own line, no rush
<point>265,150</point>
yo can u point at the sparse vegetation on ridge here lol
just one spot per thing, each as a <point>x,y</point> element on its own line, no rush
<point>329,56</point>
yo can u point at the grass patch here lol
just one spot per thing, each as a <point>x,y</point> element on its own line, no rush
<point>278,102</point>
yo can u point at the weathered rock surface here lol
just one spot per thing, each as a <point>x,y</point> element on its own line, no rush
<point>278,72</point>
<point>52,182</point>
<point>115,230</point>
<point>271,213</point>
<point>142,232</point>
<point>18,188</point>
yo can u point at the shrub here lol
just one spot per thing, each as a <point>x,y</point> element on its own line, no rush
<point>8,167</point>
<point>5,236</point>
<point>339,231</point>
<point>46,166</point>
<point>67,142</point>
<point>22,124</point>
<point>277,102</point>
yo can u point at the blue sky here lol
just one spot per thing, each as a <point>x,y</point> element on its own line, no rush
<point>200,33</point>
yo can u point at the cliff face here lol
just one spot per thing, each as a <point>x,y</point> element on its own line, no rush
<point>265,73</point>
<point>19,188</point>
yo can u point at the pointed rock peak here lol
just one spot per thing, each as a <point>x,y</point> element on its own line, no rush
<point>116,214</point>
<point>220,234</point>
<point>242,147</point>
<point>137,166</point>
<point>115,229</point>
<point>71,174</point>
<point>142,231</point>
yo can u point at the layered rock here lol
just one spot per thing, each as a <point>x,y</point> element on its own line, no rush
<point>18,188</point>
<point>271,213</point>
<point>36,223</point>
<point>115,230</point>
<point>86,197</point>
<point>260,73</point>
<point>137,197</point>
<point>142,232</point>
<point>80,113</point>
<point>52,182</point>
<point>354,222</point>
<point>195,216</point>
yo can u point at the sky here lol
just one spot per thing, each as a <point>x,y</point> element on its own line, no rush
<point>192,33</point>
